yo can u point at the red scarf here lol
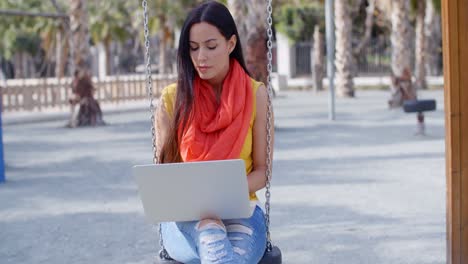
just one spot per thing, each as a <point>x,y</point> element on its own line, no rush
<point>218,132</point>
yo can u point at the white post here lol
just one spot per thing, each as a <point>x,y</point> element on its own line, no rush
<point>102,61</point>
<point>284,56</point>
<point>330,31</point>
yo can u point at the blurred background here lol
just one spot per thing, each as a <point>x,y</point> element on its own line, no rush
<point>44,42</point>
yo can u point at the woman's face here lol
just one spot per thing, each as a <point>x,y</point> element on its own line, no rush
<point>209,51</point>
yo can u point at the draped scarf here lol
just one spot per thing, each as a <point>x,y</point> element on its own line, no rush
<point>217,131</point>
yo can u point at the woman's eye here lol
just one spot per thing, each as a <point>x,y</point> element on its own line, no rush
<point>193,48</point>
<point>212,48</point>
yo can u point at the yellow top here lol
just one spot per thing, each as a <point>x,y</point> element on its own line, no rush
<point>169,95</point>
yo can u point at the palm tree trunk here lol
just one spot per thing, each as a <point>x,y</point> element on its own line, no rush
<point>433,40</point>
<point>89,112</point>
<point>61,54</point>
<point>369,23</point>
<point>318,60</point>
<point>18,65</point>
<point>250,17</point>
<point>420,70</point>
<point>162,53</point>
<point>238,9</point>
<point>401,53</point>
<point>80,36</point>
<point>107,51</point>
<point>401,42</point>
<point>344,49</point>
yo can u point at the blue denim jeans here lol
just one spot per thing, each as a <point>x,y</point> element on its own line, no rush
<point>239,241</point>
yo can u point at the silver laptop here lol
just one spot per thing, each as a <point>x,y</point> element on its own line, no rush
<point>189,191</point>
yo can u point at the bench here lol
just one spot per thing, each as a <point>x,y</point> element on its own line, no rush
<point>419,106</point>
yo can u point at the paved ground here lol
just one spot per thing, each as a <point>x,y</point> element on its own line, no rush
<point>362,189</point>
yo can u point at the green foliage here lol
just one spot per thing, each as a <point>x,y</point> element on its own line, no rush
<point>27,43</point>
<point>109,21</point>
<point>436,3</point>
<point>297,22</point>
<point>21,33</point>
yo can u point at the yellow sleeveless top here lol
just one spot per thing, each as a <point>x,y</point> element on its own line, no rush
<point>169,94</point>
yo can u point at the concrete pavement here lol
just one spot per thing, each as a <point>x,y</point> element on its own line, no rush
<point>362,189</point>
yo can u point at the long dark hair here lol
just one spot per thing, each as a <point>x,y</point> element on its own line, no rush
<point>217,15</point>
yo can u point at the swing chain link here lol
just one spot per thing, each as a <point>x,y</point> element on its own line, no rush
<point>149,87</point>
<point>269,120</point>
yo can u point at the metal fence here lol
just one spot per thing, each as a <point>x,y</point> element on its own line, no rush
<point>375,61</point>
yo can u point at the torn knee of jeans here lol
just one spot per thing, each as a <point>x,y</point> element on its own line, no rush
<point>239,228</point>
<point>215,257</point>
<point>239,250</point>
<point>211,239</point>
<point>210,225</point>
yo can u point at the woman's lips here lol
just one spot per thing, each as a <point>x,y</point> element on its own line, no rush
<point>203,68</point>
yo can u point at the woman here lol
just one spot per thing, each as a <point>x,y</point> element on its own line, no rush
<point>215,111</point>
<point>90,113</point>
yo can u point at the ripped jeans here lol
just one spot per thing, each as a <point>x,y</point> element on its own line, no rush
<point>240,241</point>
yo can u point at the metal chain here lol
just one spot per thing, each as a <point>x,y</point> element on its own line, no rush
<point>149,87</point>
<point>268,126</point>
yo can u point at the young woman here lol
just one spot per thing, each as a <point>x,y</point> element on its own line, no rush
<point>215,111</point>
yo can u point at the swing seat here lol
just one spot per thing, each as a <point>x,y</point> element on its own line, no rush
<point>418,106</point>
<point>270,257</point>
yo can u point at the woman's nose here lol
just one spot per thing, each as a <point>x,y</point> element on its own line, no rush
<point>202,55</point>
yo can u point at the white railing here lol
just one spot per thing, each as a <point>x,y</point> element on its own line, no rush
<point>39,94</point>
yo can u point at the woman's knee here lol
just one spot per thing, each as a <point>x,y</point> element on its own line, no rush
<point>248,239</point>
<point>210,223</point>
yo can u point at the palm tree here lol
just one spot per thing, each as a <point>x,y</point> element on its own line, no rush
<point>250,17</point>
<point>344,49</point>
<point>80,36</point>
<point>21,38</point>
<point>401,36</point>
<point>433,37</point>
<point>109,22</point>
<point>164,17</point>
<point>420,52</point>
<point>368,24</point>
<point>239,11</point>
<point>427,37</point>
<point>318,59</point>
<point>401,48</point>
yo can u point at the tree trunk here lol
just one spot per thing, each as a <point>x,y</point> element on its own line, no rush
<point>420,70</point>
<point>433,40</point>
<point>80,36</point>
<point>107,51</point>
<point>344,49</point>
<point>250,17</point>
<point>317,60</point>
<point>239,11</point>
<point>18,65</point>
<point>401,54</point>
<point>61,54</point>
<point>89,112</point>
<point>162,52</point>
<point>25,65</point>
<point>368,28</point>
<point>401,37</point>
